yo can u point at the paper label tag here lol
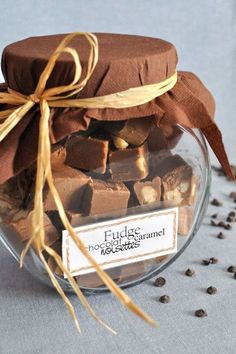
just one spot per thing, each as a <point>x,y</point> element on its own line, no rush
<point>122,241</point>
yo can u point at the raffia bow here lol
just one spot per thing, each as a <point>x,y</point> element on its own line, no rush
<point>62,96</point>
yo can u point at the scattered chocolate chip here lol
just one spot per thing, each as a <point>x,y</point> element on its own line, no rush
<point>230,219</point>
<point>221,224</point>
<point>206,262</point>
<point>200,313</point>
<point>232,195</point>
<point>231,269</point>
<point>216,202</point>
<point>190,272</point>
<point>214,260</point>
<point>235,275</point>
<point>232,214</point>
<point>214,216</point>
<point>228,227</point>
<point>221,236</point>
<point>164,299</point>
<point>213,223</point>
<point>159,282</point>
<point>211,290</point>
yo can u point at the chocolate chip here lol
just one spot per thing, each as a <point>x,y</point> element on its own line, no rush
<point>159,282</point>
<point>216,202</point>
<point>213,223</point>
<point>214,216</point>
<point>221,236</point>
<point>221,224</point>
<point>235,275</point>
<point>231,269</point>
<point>232,195</point>
<point>230,219</point>
<point>190,272</point>
<point>164,299</point>
<point>200,313</point>
<point>228,227</point>
<point>212,260</point>
<point>232,214</point>
<point>211,290</point>
<point>206,262</point>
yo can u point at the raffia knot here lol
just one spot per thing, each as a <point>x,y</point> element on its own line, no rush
<point>34,98</point>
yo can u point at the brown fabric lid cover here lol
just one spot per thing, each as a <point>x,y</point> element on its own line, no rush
<point>125,61</point>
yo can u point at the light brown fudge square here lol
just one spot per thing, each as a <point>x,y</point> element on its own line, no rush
<point>87,153</point>
<point>106,197</point>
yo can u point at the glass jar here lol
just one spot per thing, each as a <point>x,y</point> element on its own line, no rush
<point>178,152</point>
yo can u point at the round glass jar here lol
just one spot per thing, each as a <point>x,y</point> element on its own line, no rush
<point>178,176</point>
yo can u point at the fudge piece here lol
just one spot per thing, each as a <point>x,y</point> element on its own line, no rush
<point>185,220</point>
<point>71,185</point>
<point>87,153</point>
<point>22,226</point>
<point>14,193</point>
<point>74,218</point>
<point>155,158</point>
<point>191,196</point>
<point>149,191</point>
<point>133,131</point>
<point>129,164</point>
<point>172,134</point>
<point>156,140</point>
<point>105,197</point>
<point>164,137</point>
<point>92,280</point>
<point>58,155</point>
<point>176,177</point>
<point>133,270</point>
<point>160,259</point>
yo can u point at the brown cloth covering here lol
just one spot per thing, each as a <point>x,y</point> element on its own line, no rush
<point>125,61</point>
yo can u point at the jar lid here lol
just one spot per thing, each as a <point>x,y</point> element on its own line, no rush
<point>125,61</point>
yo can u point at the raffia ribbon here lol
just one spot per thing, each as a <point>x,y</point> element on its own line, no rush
<point>62,96</point>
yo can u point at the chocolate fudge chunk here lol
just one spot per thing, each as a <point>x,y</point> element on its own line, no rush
<point>105,197</point>
<point>133,131</point>
<point>176,177</point>
<point>70,184</point>
<point>185,220</point>
<point>74,217</point>
<point>149,191</point>
<point>23,229</point>
<point>130,164</point>
<point>87,153</point>
<point>58,155</point>
<point>133,270</point>
<point>93,280</point>
<point>156,140</point>
<point>172,134</point>
<point>155,158</point>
